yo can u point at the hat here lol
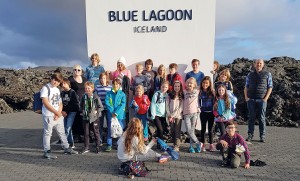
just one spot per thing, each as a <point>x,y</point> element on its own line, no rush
<point>122,60</point>
<point>77,66</point>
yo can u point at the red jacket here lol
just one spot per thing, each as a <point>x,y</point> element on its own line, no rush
<point>173,78</point>
<point>143,103</point>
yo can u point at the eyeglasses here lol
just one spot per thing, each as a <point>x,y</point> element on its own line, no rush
<point>78,70</point>
<point>230,127</point>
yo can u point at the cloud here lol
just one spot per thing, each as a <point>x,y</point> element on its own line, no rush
<point>256,29</point>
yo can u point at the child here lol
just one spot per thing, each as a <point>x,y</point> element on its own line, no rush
<point>158,110</point>
<point>52,116</point>
<point>196,73</point>
<point>140,79</point>
<point>160,78</point>
<point>190,113</point>
<point>174,108</point>
<point>206,99</point>
<point>151,74</point>
<point>222,108</point>
<point>92,71</point>
<point>91,108</point>
<point>131,145</point>
<point>70,107</point>
<point>141,104</point>
<point>228,147</point>
<point>224,79</point>
<point>101,90</point>
<point>173,75</point>
<point>115,101</point>
<point>215,71</point>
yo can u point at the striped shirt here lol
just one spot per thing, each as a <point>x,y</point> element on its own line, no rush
<point>101,92</point>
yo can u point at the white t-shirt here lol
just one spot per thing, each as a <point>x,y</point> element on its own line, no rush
<point>54,99</point>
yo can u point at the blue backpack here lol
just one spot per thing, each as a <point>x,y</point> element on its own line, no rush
<point>37,101</point>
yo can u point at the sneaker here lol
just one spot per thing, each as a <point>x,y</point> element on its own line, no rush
<point>250,136</point>
<point>191,149</point>
<point>72,145</point>
<point>70,151</point>
<point>198,147</point>
<point>203,148</point>
<point>130,176</point>
<point>176,148</point>
<point>86,150</point>
<point>262,139</point>
<point>163,158</point>
<point>108,149</point>
<point>211,148</point>
<point>48,155</point>
<point>98,149</point>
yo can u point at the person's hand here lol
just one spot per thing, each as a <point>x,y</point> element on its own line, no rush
<point>265,99</point>
<point>224,143</point>
<point>247,99</point>
<point>64,114</point>
<point>95,112</point>
<point>154,140</point>
<point>57,115</point>
<point>114,115</point>
<point>135,104</point>
<point>171,120</point>
<point>246,165</point>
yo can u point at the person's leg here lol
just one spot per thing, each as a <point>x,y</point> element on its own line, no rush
<point>69,120</point>
<point>235,160</point>
<point>145,125</point>
<point>159,127</point>
<point>261,108</point>
<point>251,120</point>
<point>221,125</point>
<point>59,126</point>
<point>203,119</point>
<point>101,123</point>
<point>210,119</point>
<point>47,128</point>
<point>191,131</point>
<point>149,156</point>
<point>177,132</point>
<point>86,126</point>
<point>224,152</point>
<point>109,138</point>
<point>95,128</point>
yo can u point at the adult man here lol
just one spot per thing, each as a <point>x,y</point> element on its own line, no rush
<point>257,90</point>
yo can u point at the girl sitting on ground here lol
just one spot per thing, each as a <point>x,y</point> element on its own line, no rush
<point>131,145</point>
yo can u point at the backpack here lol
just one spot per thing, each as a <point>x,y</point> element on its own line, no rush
<point>37,101</point>
<point>136,168</point>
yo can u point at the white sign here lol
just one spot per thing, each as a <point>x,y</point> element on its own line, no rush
<point>166,31</point>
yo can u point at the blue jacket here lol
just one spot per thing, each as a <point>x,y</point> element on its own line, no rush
<point>115,103</point>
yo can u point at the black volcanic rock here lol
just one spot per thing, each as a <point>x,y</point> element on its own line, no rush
<point>18,86</point>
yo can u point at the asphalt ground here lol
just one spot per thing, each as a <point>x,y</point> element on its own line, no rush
<point>21,157</point>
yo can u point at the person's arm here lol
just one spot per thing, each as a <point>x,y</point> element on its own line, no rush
<point>246,89</point>
<point>269,91</point>
<point>246,153</point>
<point>51,108</point>
<point>153,106</point>
<point>108,102</point>
<point>168,113</point>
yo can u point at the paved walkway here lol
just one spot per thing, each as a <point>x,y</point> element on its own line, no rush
<point>21,158</point>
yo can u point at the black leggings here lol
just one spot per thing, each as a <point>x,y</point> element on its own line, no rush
<point>207,117</point>
<point>161,126</point>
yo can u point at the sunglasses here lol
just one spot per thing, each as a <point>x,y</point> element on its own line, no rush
<point>78,70</point>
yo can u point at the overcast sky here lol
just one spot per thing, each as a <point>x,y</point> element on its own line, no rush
<point>52,32</point>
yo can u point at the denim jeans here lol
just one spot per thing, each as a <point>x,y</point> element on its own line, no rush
<point>68,123</point>
<point>257,109</point>
<point>122,123</point>
<point>101,123</point>
<point>143,118</point>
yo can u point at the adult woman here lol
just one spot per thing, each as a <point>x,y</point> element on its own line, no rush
<point>228,146</point>
<point>121,70</point>
<point>93,71</point>
<point>77,84</point>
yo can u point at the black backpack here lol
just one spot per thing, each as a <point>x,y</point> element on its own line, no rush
<point>136,168</point>
<point>37,101</point>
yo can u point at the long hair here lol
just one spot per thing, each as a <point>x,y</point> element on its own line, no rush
<point>172,93</point>
<point>210,89</point>
<point>226,98</point>
<point>164,68</point>
<point>134,128</point>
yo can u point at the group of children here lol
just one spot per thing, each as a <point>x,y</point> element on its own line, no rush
<point>166,100</point>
